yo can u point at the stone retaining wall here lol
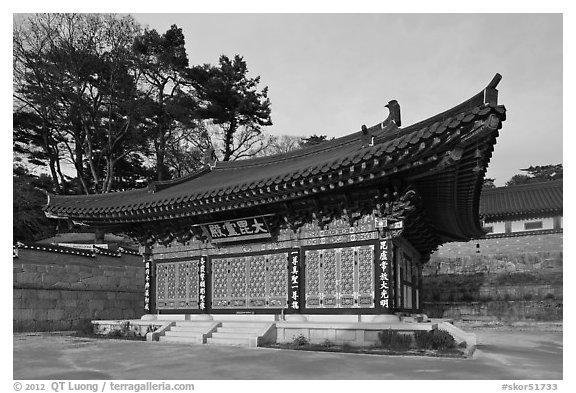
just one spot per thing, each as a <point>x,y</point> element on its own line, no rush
<point>56,291</point>
<point>509,279</point>
<point>497,311</point>
<point>498,255</point>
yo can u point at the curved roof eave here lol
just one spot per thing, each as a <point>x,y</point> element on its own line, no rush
<point>383,144</point>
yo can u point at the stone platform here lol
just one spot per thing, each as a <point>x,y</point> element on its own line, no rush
<point>253,330</point>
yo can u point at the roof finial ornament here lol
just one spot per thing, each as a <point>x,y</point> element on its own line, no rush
<point>494,82</point>
<point>490,92</point>
<point>364,129</point>
<point>394,115</point>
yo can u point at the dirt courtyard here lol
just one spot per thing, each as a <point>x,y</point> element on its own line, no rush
<point>501,355</point>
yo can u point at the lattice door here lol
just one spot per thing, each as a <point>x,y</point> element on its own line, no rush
<point>340,277</point>
<point>177,285</point>
<point>253,282</point>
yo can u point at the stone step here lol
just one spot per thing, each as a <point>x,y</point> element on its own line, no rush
<point>235,329</point>
<point>170,333</point>
<point>194,323</point>
<point>180,339</point>
<point>220,334</point>
<point>195,329</point>
<point>242,342</point>
<point>229,324</point>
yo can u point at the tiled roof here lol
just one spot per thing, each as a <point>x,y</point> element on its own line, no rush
<point>445,156</point>
<point>531,200</point>
<point>229,184</point>
<point>92,252</point>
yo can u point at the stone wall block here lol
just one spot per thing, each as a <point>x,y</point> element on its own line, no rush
<point>55,314</point>
<point>56,291</point>
<point>29,268</point>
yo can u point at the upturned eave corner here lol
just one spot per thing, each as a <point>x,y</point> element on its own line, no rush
<point>490,92</point>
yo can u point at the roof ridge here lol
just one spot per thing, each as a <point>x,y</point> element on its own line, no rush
<point>294,154</point>
<point>535,185</point>
<point>161,184</point>
<point>107,194</point>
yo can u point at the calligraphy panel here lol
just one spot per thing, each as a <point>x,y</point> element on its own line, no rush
<point>238,230</point>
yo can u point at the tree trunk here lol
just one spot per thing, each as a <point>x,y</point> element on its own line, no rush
<point>63,182</point>
<point>79,165</point>
<point>54,176</point>
<point>107,186</point>
<point>160,157</point>
<point>229,140</point>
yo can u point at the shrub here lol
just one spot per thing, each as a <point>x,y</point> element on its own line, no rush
<point>122,330</point>
<point>391,339</point>
<point>115,334</point>
<point>327,343</point>
<point>385,337</point>
<point>434,339</point>
<point>300,340</point>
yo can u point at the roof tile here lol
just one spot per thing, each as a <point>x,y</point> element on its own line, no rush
<point>526,199</point>
<point>257,175</point>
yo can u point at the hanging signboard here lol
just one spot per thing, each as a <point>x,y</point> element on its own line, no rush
<point>238,230</point>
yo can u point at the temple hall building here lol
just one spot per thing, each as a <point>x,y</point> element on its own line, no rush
<point>333,233</point>
<point>523,209</point>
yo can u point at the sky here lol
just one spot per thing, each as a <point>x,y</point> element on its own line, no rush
<point>329,74</point>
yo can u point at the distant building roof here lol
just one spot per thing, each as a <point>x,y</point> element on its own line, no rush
<point>522,201</point>
<point>111,241</point>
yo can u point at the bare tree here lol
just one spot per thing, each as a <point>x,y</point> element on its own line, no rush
<point>74,73</point>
